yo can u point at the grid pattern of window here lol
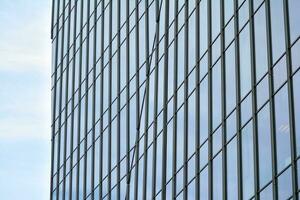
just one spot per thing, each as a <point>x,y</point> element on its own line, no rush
<point>187,99</point>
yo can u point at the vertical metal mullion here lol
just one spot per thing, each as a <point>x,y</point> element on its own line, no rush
<point>154,158</point>
<point>144,192</point>
<point>209,77</point>
<point>79,101</point>
<point>101,103</point>
<point>66,101</point>
<point>271,97</point>
<point>254,100</point>
<point>197,103</point>
<point>165,102</point>
<point>60,102</point>
<point>223,103</point>
<point>238,99</point>
<point>137,103</point>
<point>94,101</point>
<point>86,101</point>
<point>52,18</point>
<point>127,101</point>
<point>119,96</point>
<point>54,111</point>
<point>186,106</point>
<point>290,98</point>
<point>72,102</point>
<point>109,100</point>
<point>174,162</point>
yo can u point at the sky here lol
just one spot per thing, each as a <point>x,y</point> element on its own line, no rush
<point>25,103</point>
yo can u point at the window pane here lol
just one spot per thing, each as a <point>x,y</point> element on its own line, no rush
<point>279,73</point>
<point>216,95</point>
<point>231,126</point>
<point>285,184</point>
<point>247,161</point>
<point>264,146</point>
<point>232,170</point>
<point>217,177</point>
<point>267,193</point>
<point>296,81</point>
<point>260,43</point>
<point>277,24</point>
<point>230,78</point>
<point>294,6</point>
<point>203,184</point>
<point>262,90</point>
<point>296,55</point>
<point>282,129</point>
<point>245,70</point>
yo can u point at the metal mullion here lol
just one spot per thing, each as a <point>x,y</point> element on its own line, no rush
<point>209,77</point>
<point>223,103</point>
<point>137,103</point>
<point>66,105</point>
<point>238,99</point>
<point>128,102</point>
<point>94,101</point>
<point>86,102</point>
<point>254,101</point>
<point>197,103</point>
<point>72,102</point>
<point>290,98</point>
<point>144,191</point>
<point>101,104</point>
<point>79,103</point>
<point>53,115</point>
<point>186,106</point>
<point>109,145</point>
<point>52,18</point>
<point>154,156</point>
<point>119,96</point>
<point>174,161</point>
<point>60,105</point>
<point>271,97</point>
<point>165,102</point>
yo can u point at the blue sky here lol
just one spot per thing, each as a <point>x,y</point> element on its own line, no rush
<point>25,59</point>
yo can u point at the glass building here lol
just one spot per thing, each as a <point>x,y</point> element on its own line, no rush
<point>167,99</point>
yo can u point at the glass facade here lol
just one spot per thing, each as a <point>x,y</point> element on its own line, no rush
<point>187,99</point>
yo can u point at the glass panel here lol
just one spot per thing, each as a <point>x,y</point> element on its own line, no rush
<point>247,161</point>
<point>279,73</point>
<point>232,170</point>
<point>264,146</point>
<point>231,126</point>
<point>295,51</point>
<point>203,110</point>
<point>285,184</point>
<point>277,24</point>
<point>203,184</point>
<point>245,70</point>
<point>260,43</point>
<point>282,129</point>
<point>262,90</point>
<point>230,78</point>
<point>267,193</point>
<point>217,177</point>
<point>246,109</point>
<point>296,81</point>
<point>216,95</point>
<point>294,6</point>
